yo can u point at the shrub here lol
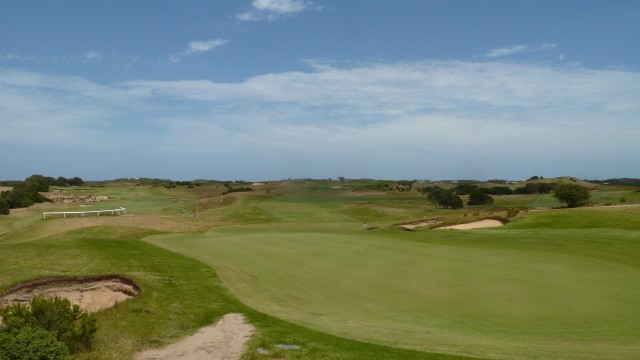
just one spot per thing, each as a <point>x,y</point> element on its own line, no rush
<point>4,207</point>
<point>240,189</point>
<point>536,188</point>
<point>68,324</point>
<point>498,190</point>
<point>31,342</point>
<point>444,198</point>
<point>478,198</point>
<point>572,194</point>
<point>466,189</point>
<point>512,211</point>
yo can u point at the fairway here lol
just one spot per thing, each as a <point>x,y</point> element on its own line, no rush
<point>486,301</point>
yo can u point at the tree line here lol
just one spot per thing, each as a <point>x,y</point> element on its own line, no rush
<point>571,194</point>
<point>28,192</point>
<point>450,199</point>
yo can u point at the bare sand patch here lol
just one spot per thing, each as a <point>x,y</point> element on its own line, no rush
<point>487,223</point>
<point>66,199</point>
<point>224,340</point>
<point>92,294</point>
<point>413,225</point>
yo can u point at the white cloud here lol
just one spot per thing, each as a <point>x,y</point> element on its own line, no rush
<point>282,6</point>
<point>507,51</point>
<point>365,119</point>
<point>204,46</point>
<point>195,47</point>
<point>16,57</point>
<point>275,9</point>
<point>519,49</point>
<point>93,56</point>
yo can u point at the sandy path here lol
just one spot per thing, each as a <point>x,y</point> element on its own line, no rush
<point>488,223</point>
<point>224,340</point>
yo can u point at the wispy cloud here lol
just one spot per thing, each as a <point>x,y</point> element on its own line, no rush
<point>93,56</point>
<point>275,9</point>
<point>195,47</point>
<point>519,49</point>
<point>16,57</point>
<point>363,120</point>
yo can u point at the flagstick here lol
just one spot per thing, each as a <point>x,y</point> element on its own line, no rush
<point>366,243</point>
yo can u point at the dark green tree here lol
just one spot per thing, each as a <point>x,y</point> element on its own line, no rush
<point>444,198</point>
<point>479,198</point>
<point>572,194</point>
<point>4,207</point>
<point>61,181</point>
<point>466,189</point>
<point>76,181</point>
<point>17,198</point>
<point>36,183</point>
<point>536,188</point>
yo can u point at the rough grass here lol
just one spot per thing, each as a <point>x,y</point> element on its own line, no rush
<point>624,218</point>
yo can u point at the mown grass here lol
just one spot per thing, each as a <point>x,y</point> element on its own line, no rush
<point>179,295</point>
<point>551,284</point>
<point>443,291</point>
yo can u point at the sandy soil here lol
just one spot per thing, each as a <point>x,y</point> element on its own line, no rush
<point>224,340</point>
<point>63,198</point>
<point>412,226</point>
<point>92,294</point>
<point>487,223</point>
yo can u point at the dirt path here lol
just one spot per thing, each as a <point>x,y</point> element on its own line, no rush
<point>224,340</point>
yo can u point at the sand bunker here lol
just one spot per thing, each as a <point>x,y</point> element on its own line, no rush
<point>224,340</point>
<point>65,199</point>
<point>412,226</point>
<point>487,223</point>
<point>92,294</point>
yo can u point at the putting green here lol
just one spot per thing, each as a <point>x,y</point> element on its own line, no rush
<point>486,302</point>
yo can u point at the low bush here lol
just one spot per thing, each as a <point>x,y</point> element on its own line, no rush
<point>479,198</point>
<point>31,342</point>
<point>23,327</point>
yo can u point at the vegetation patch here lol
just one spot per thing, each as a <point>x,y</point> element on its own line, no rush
<point>46,328</point>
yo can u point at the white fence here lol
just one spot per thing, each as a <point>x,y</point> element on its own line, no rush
<point>65,214</point>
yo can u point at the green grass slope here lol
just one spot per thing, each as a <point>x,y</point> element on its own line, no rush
<point>443,296</point>
<point>179,294</point>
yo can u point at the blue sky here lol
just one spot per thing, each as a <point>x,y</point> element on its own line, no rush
<point>275,89</point>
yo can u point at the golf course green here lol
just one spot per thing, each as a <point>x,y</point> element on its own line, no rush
<point>296,259</point>
<point>489,300</point>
